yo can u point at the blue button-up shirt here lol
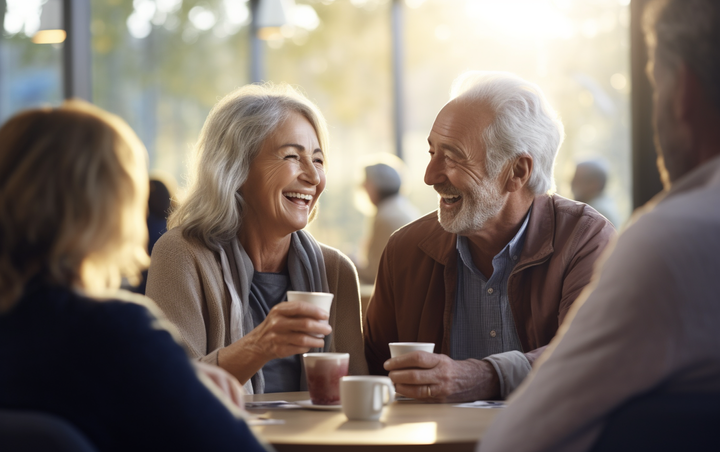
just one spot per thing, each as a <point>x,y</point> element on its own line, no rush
<point>483,322</point>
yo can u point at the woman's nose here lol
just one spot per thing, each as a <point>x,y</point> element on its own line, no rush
<point>310,172</point>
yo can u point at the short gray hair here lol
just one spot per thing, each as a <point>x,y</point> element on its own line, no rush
<point>231,138</point>
<point>689,31</point>
<point>524,123</point>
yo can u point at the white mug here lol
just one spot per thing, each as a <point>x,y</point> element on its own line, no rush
<point>401,348</point>
<point>364,396</point>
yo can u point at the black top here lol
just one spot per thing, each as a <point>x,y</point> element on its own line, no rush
<point>110,369</point>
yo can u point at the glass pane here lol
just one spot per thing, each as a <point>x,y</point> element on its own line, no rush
<point>30,74</point>
<point>162,64</point>
<point>340,57</point>
<point>577,51</point>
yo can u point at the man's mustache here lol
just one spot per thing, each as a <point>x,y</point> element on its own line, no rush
<point>447,189</point>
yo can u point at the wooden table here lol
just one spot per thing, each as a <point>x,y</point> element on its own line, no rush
<point>404,425</point>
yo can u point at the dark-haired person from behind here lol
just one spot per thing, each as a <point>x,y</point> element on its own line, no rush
<point>73,194</point>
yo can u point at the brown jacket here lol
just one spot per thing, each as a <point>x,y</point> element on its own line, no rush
<point>415,290</point>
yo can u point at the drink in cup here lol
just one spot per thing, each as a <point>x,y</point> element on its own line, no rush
<point>324,371</point>
<point>401,348</point>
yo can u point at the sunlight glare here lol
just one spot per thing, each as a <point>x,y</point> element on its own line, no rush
<point>442,32</point>
<point>414,4</point>
<point>49,37</point>
<point>539,18</point>
<point>202,18</point>
<point>22,15</point>
<point>618,81</point>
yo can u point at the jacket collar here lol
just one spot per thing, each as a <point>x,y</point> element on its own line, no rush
<point>540,233</point>
<point>440,245</point>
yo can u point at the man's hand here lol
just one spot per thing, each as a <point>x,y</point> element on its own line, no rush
<point>437,378</point>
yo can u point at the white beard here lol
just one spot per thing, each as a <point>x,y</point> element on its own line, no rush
<point>479,205</point>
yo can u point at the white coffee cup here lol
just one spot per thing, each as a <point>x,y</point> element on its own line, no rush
<point>364,396</point>
<point>320,299</point>
<point>401,348</point>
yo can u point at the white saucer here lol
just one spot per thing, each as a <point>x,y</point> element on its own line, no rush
<point>309,405</point>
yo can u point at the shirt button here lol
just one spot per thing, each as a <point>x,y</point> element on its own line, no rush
<point>514,258</point>
<point>490,291</point>
<point>493,333</point>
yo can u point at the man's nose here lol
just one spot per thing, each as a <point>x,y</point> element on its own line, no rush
<point>435,172</point>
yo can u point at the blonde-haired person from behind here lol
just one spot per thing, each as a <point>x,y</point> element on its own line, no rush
<point>73,194</point>
<point>236,245</point>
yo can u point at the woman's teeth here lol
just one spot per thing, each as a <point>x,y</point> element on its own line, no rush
<point>302,196</point>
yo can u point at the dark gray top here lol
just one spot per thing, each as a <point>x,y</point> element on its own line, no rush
<point>267,290</point>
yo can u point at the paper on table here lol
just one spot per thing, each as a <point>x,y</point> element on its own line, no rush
<point>482,404</point>
<point>270,404</point>
<point>258,420</point>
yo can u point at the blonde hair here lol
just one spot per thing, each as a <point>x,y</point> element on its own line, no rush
<point>231,138</point>
<point>73,196</point>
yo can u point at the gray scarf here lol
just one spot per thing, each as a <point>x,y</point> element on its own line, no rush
<point>306,267</point>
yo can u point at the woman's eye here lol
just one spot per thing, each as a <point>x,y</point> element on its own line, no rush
<point>319,161</point>
<point>292,156</point>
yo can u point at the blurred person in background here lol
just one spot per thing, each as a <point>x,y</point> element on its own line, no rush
<point>73,197</point>
<point>236,244</point>
<point>643,338</point>
<point>159,202</point>
<point>489,276</point>
<point>162,191</point>
<point>588,186</point>
<point>382,184</point>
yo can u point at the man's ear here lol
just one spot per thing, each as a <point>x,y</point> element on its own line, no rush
<point>519,173</point>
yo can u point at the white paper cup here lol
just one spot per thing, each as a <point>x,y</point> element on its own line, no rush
<point>401,348</point>
<point>363,397</point>
<point>320,299</point>
<point>323,372</point>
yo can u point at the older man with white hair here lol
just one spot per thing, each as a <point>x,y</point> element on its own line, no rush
<point>490,276</point>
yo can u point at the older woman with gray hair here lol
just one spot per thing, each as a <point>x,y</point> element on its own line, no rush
<point>236,245</point>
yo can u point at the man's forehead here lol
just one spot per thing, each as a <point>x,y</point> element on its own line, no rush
<point>461,118</point>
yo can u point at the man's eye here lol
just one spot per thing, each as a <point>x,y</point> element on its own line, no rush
<point>320,161</point>
<point>292,156</point>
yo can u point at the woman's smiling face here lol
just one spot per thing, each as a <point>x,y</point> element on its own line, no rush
<point>286,178</point>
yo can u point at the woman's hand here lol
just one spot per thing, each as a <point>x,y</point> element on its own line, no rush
<point>221,380</point>
<point>290,328</point>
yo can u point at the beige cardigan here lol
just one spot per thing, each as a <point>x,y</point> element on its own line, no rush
<point>185,279</point>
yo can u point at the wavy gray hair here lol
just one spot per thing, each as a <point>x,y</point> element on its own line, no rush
<point>524,124</point>
<point>231,138</point>
<point>689,31</point>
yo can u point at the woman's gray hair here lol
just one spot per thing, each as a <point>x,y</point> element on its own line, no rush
<point>524,123</point>
<point>689,31</point>
<point>231,138</point>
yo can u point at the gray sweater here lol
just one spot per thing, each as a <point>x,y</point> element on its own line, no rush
<point>648,322</point>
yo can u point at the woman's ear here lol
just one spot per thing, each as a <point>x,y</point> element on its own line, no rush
<point>519,173</point>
